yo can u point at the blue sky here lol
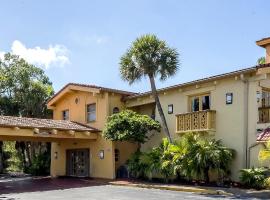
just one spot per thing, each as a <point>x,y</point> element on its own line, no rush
<point>82,41</point>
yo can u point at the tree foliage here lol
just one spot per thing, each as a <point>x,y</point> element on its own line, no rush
<point>129,126</point>
<point>261,61</point>
<point>24,91</point>
<point>150,57</point>
<point>24,88</point>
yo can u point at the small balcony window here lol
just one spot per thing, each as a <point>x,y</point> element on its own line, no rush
<point>91,112</point>
<point>199,103</point>
<point>65,114</point>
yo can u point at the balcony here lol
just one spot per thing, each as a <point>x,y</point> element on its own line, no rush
<point>196,121</point>
<point>264,115</point>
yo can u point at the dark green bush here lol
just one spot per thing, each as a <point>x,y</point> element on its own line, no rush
<point>40,165</point>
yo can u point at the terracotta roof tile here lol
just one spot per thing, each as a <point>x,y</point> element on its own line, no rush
<point>264,136</point>
<point>23,122</point>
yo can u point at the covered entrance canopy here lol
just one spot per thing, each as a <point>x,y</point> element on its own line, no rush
<point>43,130</point>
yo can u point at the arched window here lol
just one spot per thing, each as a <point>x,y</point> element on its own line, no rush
<point>115,110</point>
<point>116,155</point>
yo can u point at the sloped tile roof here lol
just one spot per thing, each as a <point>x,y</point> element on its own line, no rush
<point>24,122</point>
<point>264,136</point>
<point>93,86</point>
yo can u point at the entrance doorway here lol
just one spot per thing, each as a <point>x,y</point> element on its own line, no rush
<point>78,162</point>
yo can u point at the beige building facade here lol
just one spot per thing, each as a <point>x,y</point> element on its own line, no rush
<point>233,107</point>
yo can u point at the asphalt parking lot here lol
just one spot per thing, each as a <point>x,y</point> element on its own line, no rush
<point>89,189</point>
<point>107,192</point>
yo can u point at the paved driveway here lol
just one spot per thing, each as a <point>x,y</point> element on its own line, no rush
<point>107,192</point>
<point>81,189</point>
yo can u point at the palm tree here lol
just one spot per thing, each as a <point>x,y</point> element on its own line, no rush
<point>150,57</point>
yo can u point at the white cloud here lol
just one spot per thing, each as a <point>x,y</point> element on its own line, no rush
<point>53,56</point>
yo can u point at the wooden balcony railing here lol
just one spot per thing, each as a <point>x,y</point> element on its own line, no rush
<point>196,121</point>
<point>264,115</point>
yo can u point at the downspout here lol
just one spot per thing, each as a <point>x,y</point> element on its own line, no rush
<point>246,118</point>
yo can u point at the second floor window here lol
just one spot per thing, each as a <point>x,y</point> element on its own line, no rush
<point>265,98</point>
<point>91,112</point>
<point>65,114</point>
<point>201,102</point>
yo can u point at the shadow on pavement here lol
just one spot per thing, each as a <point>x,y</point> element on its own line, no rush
<point>45,184</point>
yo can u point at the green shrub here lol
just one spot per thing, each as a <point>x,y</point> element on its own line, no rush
<point>40,165</point>
<point>135,166</point>
<point>12,159</point>
<point>192,157</point>
<point>195,156</point>
<point>253,178</point>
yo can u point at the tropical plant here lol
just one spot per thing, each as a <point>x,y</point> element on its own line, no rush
<point>253,178</point>
<point>264,154</point>
<point>150,57</point>
<point>130,126</point>
<point>135,166</point>
<point>195,157</point>
<point>157,161</point>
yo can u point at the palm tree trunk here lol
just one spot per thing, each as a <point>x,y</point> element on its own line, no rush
<point>161,113</point>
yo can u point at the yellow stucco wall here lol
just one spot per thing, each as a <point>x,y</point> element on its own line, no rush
<point>236,124</point>
<point>101,168</point>
<point>105,102</point>
<point>126,149</point>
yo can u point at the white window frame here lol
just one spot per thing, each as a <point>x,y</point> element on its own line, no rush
<point>91,112</point>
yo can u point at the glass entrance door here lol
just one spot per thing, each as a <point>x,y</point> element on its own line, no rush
<point>78,162</point>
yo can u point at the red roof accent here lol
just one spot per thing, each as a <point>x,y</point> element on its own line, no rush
<point>264,136</point>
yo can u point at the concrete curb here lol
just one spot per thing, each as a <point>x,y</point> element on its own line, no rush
<point>175,188</point>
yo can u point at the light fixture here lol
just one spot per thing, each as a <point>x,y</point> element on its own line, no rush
<point>101,154</point>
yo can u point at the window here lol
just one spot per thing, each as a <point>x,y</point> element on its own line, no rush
<point>265,98</point>
<point>170,109</point>
<point>115,110</point>
<point>91,112</point>
<point>229,98</point>
<point>198,103</point>
<point>116,155</point>
<point>65,115</point>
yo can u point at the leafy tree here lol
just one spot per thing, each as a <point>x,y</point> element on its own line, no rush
<point>24,88</point>
<point>129,126</point>
<point>265,153</point>
<point>150,57</point>
<point>261,61</point>
<point>24,91</point>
